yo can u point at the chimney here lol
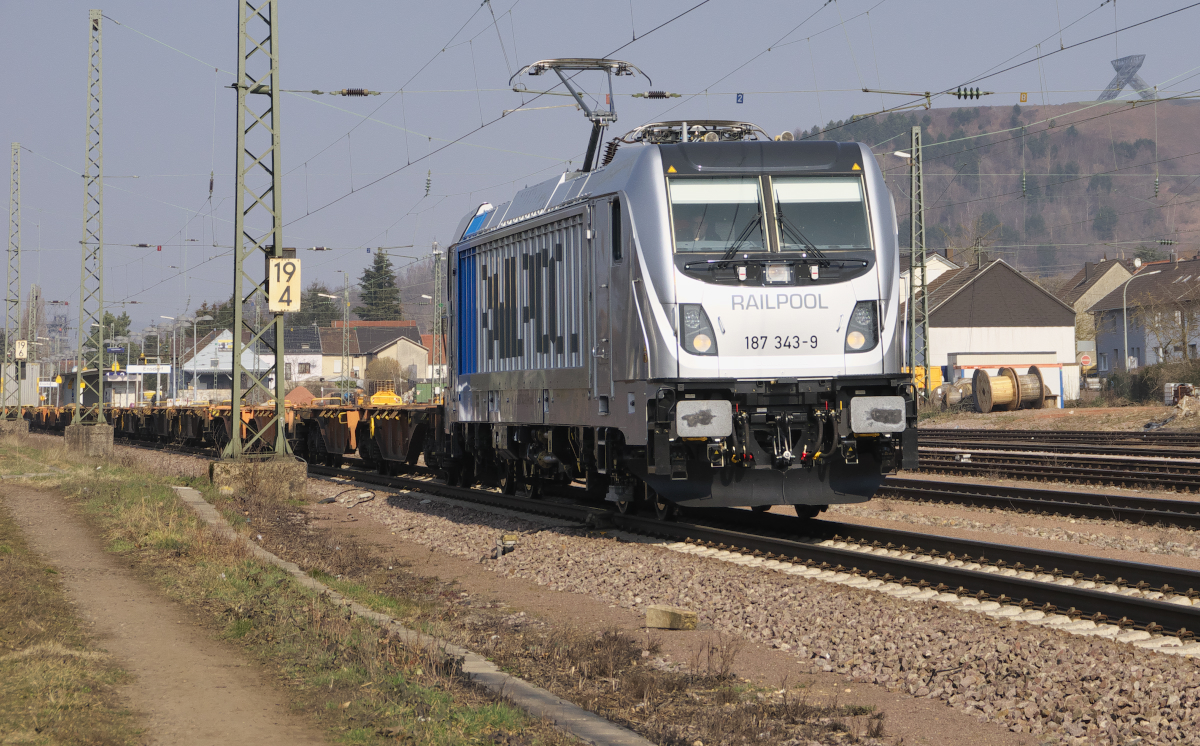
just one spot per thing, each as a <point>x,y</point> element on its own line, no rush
<point>1088,268</point>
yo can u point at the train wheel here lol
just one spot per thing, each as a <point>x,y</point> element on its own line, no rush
<point>509,478</point>
<point>530,484</point>
<point>626,507</point>
<point>466,475</point>
<point>807,511</point>
<point>664,510</point>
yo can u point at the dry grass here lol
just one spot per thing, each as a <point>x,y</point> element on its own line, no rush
<point>348,675</point>
<point>620,676</point>
<point>55,686</point>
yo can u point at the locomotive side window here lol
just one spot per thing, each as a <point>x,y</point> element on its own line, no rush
<point>716,214</point>
<point>616,230</point>
<point>825,214</point>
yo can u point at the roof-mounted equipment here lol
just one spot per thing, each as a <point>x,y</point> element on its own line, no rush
<point>707,130</point>
<point>598,116</point>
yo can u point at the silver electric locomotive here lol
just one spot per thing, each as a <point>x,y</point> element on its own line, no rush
<point>706,319</point>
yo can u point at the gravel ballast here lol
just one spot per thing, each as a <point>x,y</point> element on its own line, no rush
<point>1033,680</point>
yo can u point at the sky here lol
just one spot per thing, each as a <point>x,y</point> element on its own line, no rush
<point>391,170</point>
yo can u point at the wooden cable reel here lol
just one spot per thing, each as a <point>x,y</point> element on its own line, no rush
<point>1008,391</point>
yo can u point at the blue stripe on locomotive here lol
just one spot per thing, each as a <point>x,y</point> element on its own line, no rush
<point>467,328</point>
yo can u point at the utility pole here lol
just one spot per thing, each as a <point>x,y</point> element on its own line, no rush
<point>31,337</point>
<point>257,203</point>
<point>918,298</point>
<point>10,384</point>
<point>91,268</point>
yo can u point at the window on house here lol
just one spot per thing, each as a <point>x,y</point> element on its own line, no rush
<point>337,366</point>
<point>304,369</point>
<point>1192,351</point>
<point>287,370</point>
<point>1103,361</point>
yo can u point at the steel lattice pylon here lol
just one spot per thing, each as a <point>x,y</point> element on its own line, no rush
<point>918,297</point>
<point>91,268</point>
<point>257,202</point>
<point>10,383</point>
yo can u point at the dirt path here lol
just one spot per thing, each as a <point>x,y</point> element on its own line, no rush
<point>190,689</point>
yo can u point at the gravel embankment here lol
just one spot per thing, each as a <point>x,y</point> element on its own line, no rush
<point>1033,680</point>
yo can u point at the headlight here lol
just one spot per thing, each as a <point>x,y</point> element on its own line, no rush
<point>698,336</point>
<point>862,333</point>
<point>779,273</point>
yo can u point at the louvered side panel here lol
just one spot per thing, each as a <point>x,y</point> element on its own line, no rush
<point>530,288</point>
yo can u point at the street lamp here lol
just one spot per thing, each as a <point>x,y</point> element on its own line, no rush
<point>1125,311</point>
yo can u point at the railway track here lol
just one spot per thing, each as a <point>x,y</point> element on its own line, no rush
<point>1064,447</point>
<point>1153,511</point>
<point>1145,510</point>
<point>1151,438</point>
<point>1127,594</point>
<point>1137,472</point>
<point>1118,595</point>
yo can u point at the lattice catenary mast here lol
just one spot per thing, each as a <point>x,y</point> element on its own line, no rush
<point>918,297</point>
<point>10,383</point>
<point>257,203</point>
<point>91,267</point>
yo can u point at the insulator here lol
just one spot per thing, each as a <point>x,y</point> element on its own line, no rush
<point>428,182</point>
<point>352,92</point>
<point>1166,242</point>
<point>1022,183</point>
<point>1155,187</point>
<point>610,151</point>
<point>656,94</point>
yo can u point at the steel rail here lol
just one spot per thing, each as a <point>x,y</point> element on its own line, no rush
<point>1127,476</point>
<point>1128,449</point>
<point>1105,437</point>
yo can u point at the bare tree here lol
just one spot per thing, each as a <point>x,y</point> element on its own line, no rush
<point>1170,319</point>
<point>970,241</point>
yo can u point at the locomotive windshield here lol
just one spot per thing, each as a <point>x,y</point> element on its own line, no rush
<point>826,213</point>
<point>717,214</point>
<point>821,215</point>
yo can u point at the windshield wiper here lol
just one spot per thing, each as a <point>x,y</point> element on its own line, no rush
<point>741,239</point>
<point>786,226</point>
